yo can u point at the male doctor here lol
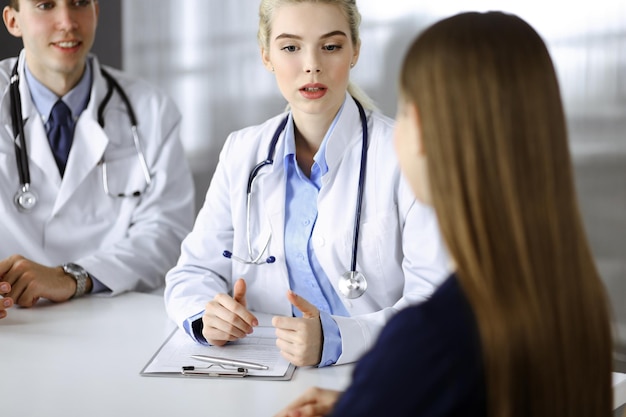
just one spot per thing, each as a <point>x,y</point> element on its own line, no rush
<point>108,214</point>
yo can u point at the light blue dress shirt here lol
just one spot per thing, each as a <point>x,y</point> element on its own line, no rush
<point>306,276</point>
<point>43,98</point>
<point>76,99</point>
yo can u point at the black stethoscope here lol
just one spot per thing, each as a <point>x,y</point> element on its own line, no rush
<point>352,283</point>
<point>25,198</point>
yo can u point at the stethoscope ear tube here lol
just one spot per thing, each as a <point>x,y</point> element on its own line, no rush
<point>353,283</point>
<point>21,153</point>
<point>25,199</point>
<point>359,203</point>
<point>114,85</point>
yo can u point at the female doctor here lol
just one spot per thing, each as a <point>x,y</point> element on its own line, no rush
<point>307,216</point>
<point>111,220</point>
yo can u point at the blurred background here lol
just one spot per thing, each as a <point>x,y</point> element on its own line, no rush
<point>204,53</point>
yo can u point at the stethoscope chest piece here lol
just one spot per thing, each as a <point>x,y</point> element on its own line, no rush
<point>25,198</point>
<point>352,284</point>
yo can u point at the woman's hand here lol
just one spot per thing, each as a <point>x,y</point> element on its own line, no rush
<point>226,318</point>
<point>300,338</point>
<point>313,403</point>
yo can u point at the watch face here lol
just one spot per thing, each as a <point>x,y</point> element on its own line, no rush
<point>73,269</point>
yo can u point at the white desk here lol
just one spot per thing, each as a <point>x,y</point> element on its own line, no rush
<point>84,358</point>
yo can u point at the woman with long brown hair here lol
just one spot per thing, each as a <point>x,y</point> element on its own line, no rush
<point>522,326</point>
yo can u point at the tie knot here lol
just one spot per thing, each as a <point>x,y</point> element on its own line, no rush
<point>61,114</point>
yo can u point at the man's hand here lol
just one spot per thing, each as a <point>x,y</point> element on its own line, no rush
<point>300,339</point>
<point>6,302</point>
<point>315,402</point>
<point>30,281</point>
<point>226,318</point>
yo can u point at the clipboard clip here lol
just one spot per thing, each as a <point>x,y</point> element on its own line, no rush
<point>215,370</point>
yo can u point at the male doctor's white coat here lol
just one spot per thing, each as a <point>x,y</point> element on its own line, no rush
<point>400,250</point>
<point>126,243</point>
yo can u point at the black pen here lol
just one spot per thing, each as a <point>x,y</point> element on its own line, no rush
<point>230,362</point>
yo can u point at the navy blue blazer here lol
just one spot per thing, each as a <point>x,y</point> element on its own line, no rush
<point>426,362</point>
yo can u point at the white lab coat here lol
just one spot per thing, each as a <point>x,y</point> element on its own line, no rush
<point>398,238</point>
<point>126,243</point>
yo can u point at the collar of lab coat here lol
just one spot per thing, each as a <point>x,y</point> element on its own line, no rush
<point>347,133</point>
<point>347,130</point>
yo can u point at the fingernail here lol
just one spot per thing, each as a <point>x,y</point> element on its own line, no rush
<point>4,288</point>
<point>255,323</point>
<point>6,302</point>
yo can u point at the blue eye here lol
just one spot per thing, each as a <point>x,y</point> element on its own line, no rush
<point>332,47</point>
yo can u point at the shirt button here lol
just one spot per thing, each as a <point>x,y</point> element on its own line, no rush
<point>320,241</point>
<point>306,222</point>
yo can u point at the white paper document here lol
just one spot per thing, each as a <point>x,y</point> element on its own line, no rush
<point>258,347</point>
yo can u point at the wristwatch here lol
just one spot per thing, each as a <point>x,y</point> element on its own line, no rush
<point>80,275</point>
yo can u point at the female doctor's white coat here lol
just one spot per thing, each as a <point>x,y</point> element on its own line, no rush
<point>126,243</point>
<point>400,250</point>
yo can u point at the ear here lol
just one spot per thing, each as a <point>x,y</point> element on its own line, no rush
<point>416,126</point>
<point>265,57</point>
<point>11,22</point>
<point>357,52</point>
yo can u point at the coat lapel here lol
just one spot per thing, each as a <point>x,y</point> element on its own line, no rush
<point>38,147</point>
<point>87,150</point>
<point>89,142</point>
<point>270,189</point>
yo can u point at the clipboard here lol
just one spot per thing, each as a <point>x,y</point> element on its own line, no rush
<point>173,358</point>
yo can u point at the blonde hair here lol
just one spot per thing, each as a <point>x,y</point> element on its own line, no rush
<point>494,133</point>
<point>349,9</point>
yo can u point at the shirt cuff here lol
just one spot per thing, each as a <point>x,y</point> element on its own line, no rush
<point>331,349</point>
<point>97,286</point>
<point>193,327</point>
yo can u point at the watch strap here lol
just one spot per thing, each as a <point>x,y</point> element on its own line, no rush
<point>80,275</point>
